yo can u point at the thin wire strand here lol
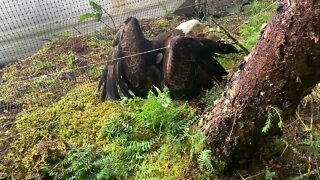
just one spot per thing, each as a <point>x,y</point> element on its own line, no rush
<point>28,78</point>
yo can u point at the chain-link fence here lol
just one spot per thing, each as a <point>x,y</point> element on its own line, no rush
<point>26,25</point>
<point>55,51</point>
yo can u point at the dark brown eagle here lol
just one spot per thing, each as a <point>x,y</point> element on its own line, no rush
<point>189,65</point>
<point>129,68</point>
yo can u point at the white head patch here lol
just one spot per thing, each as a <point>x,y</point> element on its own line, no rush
<point>189,27</point>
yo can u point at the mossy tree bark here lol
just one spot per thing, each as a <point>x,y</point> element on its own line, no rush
<point>283,67</point>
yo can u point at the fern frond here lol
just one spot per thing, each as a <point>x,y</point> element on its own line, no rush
<point>205,160</point>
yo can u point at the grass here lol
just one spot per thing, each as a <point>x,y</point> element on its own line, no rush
<point>41,65</point>
<point>259,13</point>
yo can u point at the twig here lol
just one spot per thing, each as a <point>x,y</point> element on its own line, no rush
<point>107,25</point>
<point>76,30</point>
<point>294,150</point>
<point>240,109</point>
<point>303,176</point>
<point>114,24</point>
<point>250,177</point>
<point>311,138</point>
<point>284,150</point>
<point>241,176</point>
<point>300,119</point>
<point>245,50</point>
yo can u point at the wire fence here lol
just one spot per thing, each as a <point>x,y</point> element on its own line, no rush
<point>77,52</point>
<point>71,52</point>
<point>26,25</point>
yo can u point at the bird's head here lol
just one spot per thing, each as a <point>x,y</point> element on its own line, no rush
<point>131,26</point>
<point>191,27</point>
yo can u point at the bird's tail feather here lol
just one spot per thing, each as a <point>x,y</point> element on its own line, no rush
<point>102,83</point>
<point>121,82</point>
<point>112,90</point>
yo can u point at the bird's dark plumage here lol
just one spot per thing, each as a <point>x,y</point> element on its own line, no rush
<point>108,81</point>
<point>135,74</point>
<point>189,66</point>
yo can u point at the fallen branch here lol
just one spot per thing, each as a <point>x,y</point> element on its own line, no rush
<point>228,34</point>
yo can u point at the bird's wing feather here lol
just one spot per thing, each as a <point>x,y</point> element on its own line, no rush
<point>202,50</point>
<point>122,80</point>
<point>179,67</point>
<point>107,80</point>
<point>189,65</point>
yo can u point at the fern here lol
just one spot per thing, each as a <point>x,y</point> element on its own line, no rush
<point>79,164</point>
<point>205,160</point>
<point>112,166</point>
<point>213,165</point>
<point>273,112</point>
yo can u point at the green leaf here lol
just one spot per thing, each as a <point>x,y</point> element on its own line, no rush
<point>267,125</point>
<point>86,16</point>
<point>205,160</point>
<point>95,5</point>
<point>98,16</point>
<point>280,124</point>
<point>270,175</point>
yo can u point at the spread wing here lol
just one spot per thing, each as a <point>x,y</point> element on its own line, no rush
<point>202,51</point>
<point>189,66</point>
<point>111,79</point>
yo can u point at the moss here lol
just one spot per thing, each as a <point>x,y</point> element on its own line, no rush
<point>39,81</point>
<point>229,61</point>
<point>76,120</point>
<point>40,65</point>
<point>77,115</point>
<point>161,22</point>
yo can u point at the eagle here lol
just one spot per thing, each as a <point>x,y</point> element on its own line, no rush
<point>189,65</point>
<point>182,59</point>
<point>129,68</point>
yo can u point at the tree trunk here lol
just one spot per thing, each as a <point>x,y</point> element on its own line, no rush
<point>283,67</point>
